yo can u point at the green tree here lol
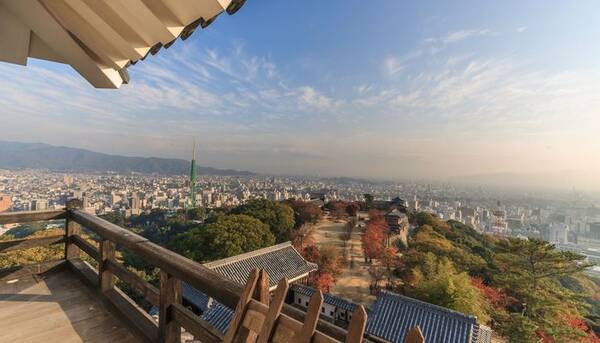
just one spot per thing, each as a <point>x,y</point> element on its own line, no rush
<point>229,235</point>
<point>368,201</point>
<point>438,282</point>
<point>278,216</point>
<point>530,271</point>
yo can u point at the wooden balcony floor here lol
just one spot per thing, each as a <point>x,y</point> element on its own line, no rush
<point>56,307</point>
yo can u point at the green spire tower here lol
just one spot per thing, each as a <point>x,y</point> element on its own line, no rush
<point>193,177</point>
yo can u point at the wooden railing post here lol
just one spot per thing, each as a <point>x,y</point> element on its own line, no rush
<point>169,330</point>
<point>72,228</point>
<point>105,276</point>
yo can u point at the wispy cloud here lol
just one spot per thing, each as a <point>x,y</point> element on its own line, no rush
<point>522,29</point>
<point>457,36</point>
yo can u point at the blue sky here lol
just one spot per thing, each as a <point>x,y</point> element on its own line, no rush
<point>382,89</point>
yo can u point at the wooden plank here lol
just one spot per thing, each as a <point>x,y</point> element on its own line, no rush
<point>149,292</point>
<point>357,326</point>
<point>241,307</point>
<point>327,328</point>
<point>274,311</point>
<point>105,277</point>
<point>88,248</point>
<point>27,243</point>
<point>31,269</point>
<point>202,331</point>
<point>169,330</point>
<point>72,228</point>
<point>135,315</point>
<point>138,319</point>
<point>31,216</point>
<point>261,292</point>
<point>311,320</point>
<point>414,335</point>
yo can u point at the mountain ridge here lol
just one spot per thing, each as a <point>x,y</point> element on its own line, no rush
<point>17,155</point>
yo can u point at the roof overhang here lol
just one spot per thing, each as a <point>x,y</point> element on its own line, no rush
<point>100,38</point>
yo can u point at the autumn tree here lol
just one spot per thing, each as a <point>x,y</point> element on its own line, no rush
<point>337,209</point>
<point>305,212</point>
<point>372,242</point>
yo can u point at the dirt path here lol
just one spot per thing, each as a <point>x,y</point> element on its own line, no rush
<point>355,280</point>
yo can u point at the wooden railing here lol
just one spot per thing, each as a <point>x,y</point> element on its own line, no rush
<point>174,269</point>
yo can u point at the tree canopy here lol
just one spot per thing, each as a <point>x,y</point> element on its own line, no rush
<point>229,235</point>
<point>532,292</point>
<point>278,216</point>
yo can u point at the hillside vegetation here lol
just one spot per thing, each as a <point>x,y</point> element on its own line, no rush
<point>527,290</point>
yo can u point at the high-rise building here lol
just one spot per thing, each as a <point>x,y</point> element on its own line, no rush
<point>193,177</point>
<point>5,202</point>
<point>39,204</point>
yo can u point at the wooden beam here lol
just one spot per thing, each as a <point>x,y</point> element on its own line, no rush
<point>414,335</point>
<point>241,306</point>
<point>202,331</point>
<point>169,330</point>
<point>142,286</point>
<point>105,30</point>
<point>33,14</point>
<point>31,216</point>
<point>124,29</point>
<point>274,310</point>
<point>356,329</point>
<point>27,243</point>
<point>15,36</point>
<point>72,229</point>
<point>138,319</point>
<point>143,21</point>
<point>196,275</point>
<point>103,50</point>
<point>88,248</point>
<point>105,276</point>
<point>312,318</point>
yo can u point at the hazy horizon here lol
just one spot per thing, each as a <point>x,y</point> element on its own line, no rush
<point>433,91</point>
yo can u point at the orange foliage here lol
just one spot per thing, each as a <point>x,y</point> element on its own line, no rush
<point>324,282</point>
<point>494,296</point>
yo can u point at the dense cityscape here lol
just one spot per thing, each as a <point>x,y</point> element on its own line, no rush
<point>568,219</point>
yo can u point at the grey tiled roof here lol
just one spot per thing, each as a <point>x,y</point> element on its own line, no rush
<point>327,298</point>
<point>218,316</point>
<point>194,296</point>
<point>278,261</point>
<point>393,315</point>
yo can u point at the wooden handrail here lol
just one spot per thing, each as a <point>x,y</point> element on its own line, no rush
<point>31,216</point>
<point>176,266</point>
<point>196,275</point>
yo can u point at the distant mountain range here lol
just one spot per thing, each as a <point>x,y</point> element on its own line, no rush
<point>15,155</point>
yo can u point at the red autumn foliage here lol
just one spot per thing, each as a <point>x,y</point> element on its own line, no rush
<point>389,257</point>
<point>311,253</point>
<point>494,296</point>
<point>338,209</point>
<point>579,323</point>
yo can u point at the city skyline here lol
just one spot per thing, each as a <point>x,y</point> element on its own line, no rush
<point>431,92</point>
